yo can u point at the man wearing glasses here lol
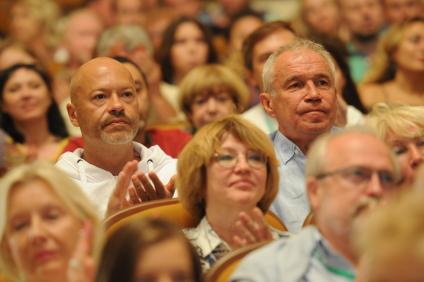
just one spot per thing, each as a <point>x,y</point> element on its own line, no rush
<point>348,172</point>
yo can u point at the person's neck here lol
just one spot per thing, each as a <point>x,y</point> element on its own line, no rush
<point>302,143</point>
<point>365,44</point>
<point>36,133</point>
<point>178,77</point>
<point>343,245</point>
<point>222,220</point>
<point>410,82</point>
<point>111,158</point>
<point>141,136</point>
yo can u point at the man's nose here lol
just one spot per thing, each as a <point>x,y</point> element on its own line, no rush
<point>115,103</point>
<point>312,91</point>
<point>375,187</point>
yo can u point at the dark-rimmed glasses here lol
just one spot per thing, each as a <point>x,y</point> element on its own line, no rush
<point>361,175</point>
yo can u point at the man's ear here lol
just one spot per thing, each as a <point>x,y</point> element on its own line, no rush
<point>313,190</point>
<point>267,103</point>
<point>72,114</point>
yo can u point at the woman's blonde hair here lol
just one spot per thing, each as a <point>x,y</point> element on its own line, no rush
<point>68,192</point>
<point>198,153</point>
<point>383,66</point>
<point>395,119</point>
<point>208,80</point>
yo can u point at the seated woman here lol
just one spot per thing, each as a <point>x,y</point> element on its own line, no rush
<point>29,114</point>
<point>186,44</point>
<point>227,177</point>
<point>397,71</point>
<point>210,92</point>
<point>402,127</point>
<point>148,250</point>
<point>45,222</point>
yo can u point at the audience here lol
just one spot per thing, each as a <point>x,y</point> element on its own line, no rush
<point>133,42</point>
<point>397,11</point>
<point>398,67</point>
<point>347,173</point>
<point>31,23</point>
<point>300,92</point>
<point>105,105</point>
<point>134,94</point>
<point>44,220</point>
<point>29,113</point>
<point>210,92</point>
<point>257,47</point>
<point>148,250</point>
<point>227,177</point>
<point>402,128</point>
<point>364,21</point>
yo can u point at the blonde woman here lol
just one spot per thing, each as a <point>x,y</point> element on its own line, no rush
<point>210,92</point>
<point>397,70</point>
<point>402,128</point>
<point>49,230</point>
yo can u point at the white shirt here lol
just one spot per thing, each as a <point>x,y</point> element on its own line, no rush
<point>98,184</point>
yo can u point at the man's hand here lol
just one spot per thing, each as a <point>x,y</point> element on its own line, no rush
<point>149,187</point>
<point>140,188</point>
<point>251,228</point>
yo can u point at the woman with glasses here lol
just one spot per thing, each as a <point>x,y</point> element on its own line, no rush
<point>402,128</point>
<point>227,179</point>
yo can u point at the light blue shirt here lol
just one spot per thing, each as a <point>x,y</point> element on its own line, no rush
<point>306,257</point>
<point>291,204</point>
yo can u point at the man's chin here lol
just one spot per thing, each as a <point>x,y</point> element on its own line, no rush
<point>118,138</point>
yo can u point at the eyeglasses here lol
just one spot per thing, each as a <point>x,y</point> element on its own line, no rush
<point>230,159</point>
<point>361,175</point>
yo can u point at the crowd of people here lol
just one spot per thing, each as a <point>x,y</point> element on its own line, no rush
<point>316,120</point>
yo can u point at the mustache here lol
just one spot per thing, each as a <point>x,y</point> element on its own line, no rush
<point>110,120</point>
<point>365,204</point>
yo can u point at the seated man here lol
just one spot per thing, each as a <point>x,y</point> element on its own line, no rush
<point>347,172</point>
<point>104,104</point>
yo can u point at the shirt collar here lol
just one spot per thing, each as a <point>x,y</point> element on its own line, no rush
<point>285,148</point>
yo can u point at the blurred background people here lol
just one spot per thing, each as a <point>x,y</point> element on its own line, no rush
<point>257,47</point>
<point>397,11</point>
<point>14,52</point>
<point>148,250</point>
<point>31,23</point>
<point>227,178</point>
<point>29,113</point>
<point>44,219</point>
<point>133,42</point>
<point>186,44</point>
<point>211,92</point>
<point>319,18</point>
<point>402,128</point>
<point>397,70</point>
<point>77,36</point>
<point>364,21</point>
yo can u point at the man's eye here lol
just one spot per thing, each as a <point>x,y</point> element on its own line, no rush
<point>420,142</point>
<point>323,82</point>
<point>99,97</point>
<point>360,173</point>
<point>127,94</point>
<point>295,85</point>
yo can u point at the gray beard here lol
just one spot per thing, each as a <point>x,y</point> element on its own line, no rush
<point>120,138</point>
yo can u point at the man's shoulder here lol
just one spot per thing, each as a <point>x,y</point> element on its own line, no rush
<point>291,256</point>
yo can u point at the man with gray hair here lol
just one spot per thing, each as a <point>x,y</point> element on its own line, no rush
<point>300,94</point>
<point>347,173</point>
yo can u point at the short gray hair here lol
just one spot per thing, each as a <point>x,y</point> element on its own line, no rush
<point>131,36</point>
<point>268,73</point>
<point>317,153</point>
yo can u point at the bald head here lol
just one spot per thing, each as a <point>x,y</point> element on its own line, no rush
<point>91,71</point>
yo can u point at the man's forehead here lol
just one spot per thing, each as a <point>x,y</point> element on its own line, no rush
<point>302,61</point>
<point>358,149</point>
